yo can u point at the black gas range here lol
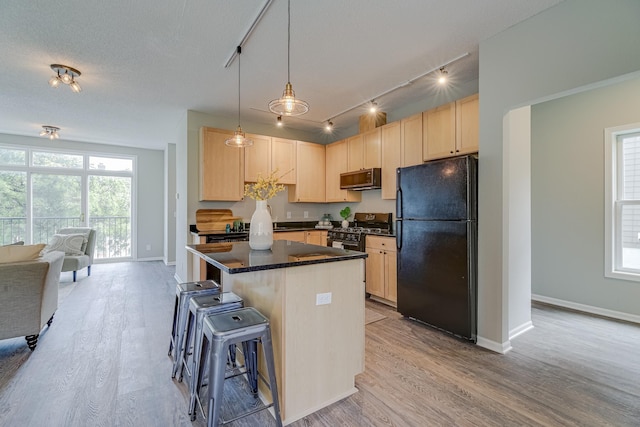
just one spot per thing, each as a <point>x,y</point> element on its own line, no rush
<point>363,224</point>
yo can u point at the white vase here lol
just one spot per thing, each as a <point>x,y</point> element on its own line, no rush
<point>261,227</point>
<point>345,223</point>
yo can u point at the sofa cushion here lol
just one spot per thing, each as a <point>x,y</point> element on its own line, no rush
<point>70,244</point>
<point>17,253</point>
<point>21,242</point>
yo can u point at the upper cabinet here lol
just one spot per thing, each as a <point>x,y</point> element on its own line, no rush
<point>451,129</point>
<point>221,167</point>
<point>310,173</point>
<point>467,124</point>
<point>390,136</point>
<point>439,132</point>
<point>283,158</point>
<point>365,150</point>
<point>268,154</point>
<point>411,140</point>
<point>337,163</point>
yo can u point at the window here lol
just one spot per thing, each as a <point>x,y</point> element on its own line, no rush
<point>622,194</point>
<point>42,191</point>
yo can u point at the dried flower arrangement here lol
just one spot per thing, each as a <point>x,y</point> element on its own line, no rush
<point>264,188</point>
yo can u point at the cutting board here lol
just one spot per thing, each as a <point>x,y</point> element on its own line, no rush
<point>208,220</point>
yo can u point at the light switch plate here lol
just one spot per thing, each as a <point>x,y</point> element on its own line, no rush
<point>322,299</point>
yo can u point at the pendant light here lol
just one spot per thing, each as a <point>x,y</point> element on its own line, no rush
<point>288,105</point>
<point>238,139</point>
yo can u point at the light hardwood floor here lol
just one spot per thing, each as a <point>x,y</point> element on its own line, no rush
<point>104,362</point>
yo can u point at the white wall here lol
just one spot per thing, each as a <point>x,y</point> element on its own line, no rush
<point>149,200</point>
<point>567,159</point>
<point>573,45</point>
<point>170,204</point>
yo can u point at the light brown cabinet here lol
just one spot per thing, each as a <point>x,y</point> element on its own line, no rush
<point>390,158</point>
<point>268,154</point>
<point>310,173</point>
<point>451,129</point>
<point>337,163</point>
<point>311,237</point>
<point>381,269</point>
<point>364,150</point>
<point>294,236</point>
<point>221,167</point>
<point>411,140</point>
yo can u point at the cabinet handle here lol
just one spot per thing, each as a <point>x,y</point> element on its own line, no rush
<point>451,152</point>
<point>457,151</point>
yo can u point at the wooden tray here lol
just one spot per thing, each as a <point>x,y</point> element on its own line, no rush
<point>214,219</point>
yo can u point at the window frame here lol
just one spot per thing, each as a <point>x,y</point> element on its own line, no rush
<point>614,203</point>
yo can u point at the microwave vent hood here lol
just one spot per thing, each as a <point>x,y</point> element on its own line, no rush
<point>364,179</point>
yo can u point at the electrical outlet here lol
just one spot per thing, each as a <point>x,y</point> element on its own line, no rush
<point>306,214</point>
<point>322,299</point>
<point>288,215</point>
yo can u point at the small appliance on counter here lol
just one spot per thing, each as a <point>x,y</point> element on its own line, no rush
<point>364,223</point>
<point>325,222</point>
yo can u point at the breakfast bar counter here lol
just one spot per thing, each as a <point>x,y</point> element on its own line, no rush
<point>314,299</point>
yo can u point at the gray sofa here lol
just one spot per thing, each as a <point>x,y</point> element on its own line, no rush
<point>29,296</point>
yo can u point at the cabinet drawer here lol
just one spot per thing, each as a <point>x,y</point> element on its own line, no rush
<point>383,243</point>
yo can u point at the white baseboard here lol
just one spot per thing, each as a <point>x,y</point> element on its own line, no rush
<point>587,308</point>
<point>527,326</point>
<point>159,258</point>
<point>168,263</point>
<point>175,276</point>
<point>494,346</point>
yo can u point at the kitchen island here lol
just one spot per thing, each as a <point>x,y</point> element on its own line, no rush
<point>314,299</point>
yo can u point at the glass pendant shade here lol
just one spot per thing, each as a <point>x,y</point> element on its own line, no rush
<point>288,105</point>
<point>54,82</point>
<point>238,139</point>
<point>66,78</point>
<point>75,87</point>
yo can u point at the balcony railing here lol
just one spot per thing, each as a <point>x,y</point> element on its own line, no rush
<point>113,233</point>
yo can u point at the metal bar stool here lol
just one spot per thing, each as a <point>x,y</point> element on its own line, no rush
<point>199,307</point>
<point>184,292</point>
<point>220,331</point>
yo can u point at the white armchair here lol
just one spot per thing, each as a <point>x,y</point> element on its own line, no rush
<point>78,262</point>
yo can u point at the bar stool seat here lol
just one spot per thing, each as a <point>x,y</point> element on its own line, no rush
<point>184,292</point>
<point>199,307</point>
<point>233,327</point>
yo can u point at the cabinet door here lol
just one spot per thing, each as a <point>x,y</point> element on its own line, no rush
<point>221,167</point>
<point>336,161</point>
<point>375,272</point>
<point>439,132</point>
<point>310,174</point>
<point>411,140</point>
<point>257,158</point>
<point>467,125</point>
<point>391,276</point>
<point>372,149</point>
<point>283,158</point>
<point>390,137</point>
<point>316,237</point>
<point>356,153</point>
<point>294,236</point>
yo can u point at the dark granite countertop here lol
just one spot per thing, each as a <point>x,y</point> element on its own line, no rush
<point>238,257</point>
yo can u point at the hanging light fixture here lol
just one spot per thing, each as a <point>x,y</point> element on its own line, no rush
<point>279,122</point>
<point>373,107</point>
<point>67,75</point>
<point>444,76</point>
<point>329,126</point>
<point>288,105</point>
<point>50,131</point>
<point>239,139</point>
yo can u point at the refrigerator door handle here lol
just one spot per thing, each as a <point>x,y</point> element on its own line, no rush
<point>399,234</point>
<point>398,202</point>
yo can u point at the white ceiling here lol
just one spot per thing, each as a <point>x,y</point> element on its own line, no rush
<point>145,62</point>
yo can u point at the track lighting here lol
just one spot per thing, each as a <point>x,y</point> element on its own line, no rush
<point>279,121</point>
<point>373,107</point>
<point>329,126</point>
<point>50,131</point>
<point>67,75</point>
<point>443,77</point>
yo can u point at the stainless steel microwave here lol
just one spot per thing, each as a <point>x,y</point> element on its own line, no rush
<point>364,179</point>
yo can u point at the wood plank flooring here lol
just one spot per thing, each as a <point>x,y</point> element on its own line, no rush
<point>104,362</point>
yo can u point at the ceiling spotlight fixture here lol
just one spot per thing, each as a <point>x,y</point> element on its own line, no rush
<point>288,105</point>
<point>329,126</point>
<point>67,75</point>
<point>238,139</point>
<point>279,121</point>
<point>373,107</point>
<point>444,76</point>
<point>50,131</point>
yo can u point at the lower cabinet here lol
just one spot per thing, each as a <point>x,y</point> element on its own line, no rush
<point>381,272</point>
<point>312,237</point>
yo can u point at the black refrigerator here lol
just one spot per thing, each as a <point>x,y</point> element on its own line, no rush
<point>437,229</point>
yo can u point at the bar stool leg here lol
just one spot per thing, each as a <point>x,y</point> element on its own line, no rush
<point>267,349</point>
<point>173,329</point>
<point>217,369</point>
